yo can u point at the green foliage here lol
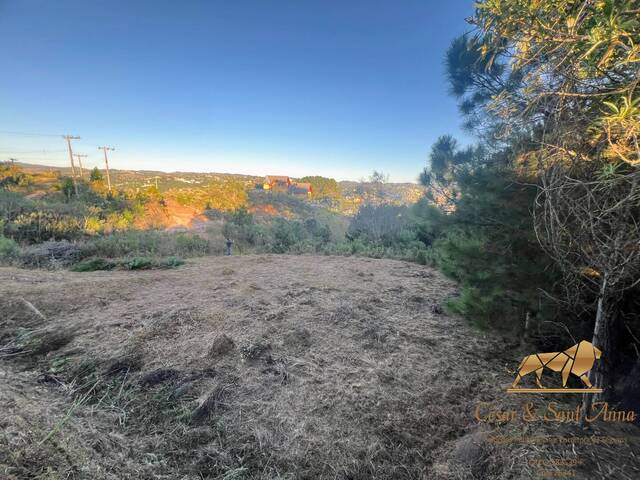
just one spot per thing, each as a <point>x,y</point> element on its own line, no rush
<point>39,226</point>
<point>171,262</point>
<point>65,185</point>
<point>429,222</point>
<point>135,263</point>
<point>12,176</point>
<point>146,243</point>
<point>285,234</point>
<point>241,227</point>
<point>191,245</point>
<point>576,65</point>
<point>93,264</point>
<point>489,246</point>
<point>126,243</point>
<point>139,263</point>
<point>96,175</point>
<point>147,263</point>
<point>482,307</point>
<point>13,204</point>
<point>281,203</point>
<point>323,187</point>
<point>277,234</point>
<point>223,195</point>
<point>387,224</point>
<point>8,248</point>
<point>321,232</point>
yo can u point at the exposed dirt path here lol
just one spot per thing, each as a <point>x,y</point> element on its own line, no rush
<point>333,368</point>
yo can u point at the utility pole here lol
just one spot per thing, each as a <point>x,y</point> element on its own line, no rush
<point>106,163</point>
<point>68,138</point>
<point>80,156</point>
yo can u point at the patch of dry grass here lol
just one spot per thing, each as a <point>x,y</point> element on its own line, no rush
<point>290,367</point>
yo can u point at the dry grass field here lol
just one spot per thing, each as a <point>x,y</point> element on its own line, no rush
<point>254,367</point>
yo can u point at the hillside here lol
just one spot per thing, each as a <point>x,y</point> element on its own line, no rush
<point>255,367</point>
<point>353,193</point>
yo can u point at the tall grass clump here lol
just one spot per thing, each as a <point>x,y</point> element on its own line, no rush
<point>146,243</point>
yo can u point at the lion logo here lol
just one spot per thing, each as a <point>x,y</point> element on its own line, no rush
<point>577,360</point>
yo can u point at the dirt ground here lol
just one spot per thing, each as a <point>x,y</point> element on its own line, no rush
<point>257,367</point>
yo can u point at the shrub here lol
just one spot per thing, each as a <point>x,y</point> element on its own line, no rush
<point>93,225</point>
<point>120,220</point>
<point>139,263</point>
<point>93,264</point>
<point>8,248</point>
<point>145,263</point>
<point>13,204</point>
<point>170,262</point>
<point>96,175</point>
<point>381,223</point>
<point>321,233</point>
<point>145,243</point>
<point>13,176</point>
<point>241,227</point>
<point>39,226</point>
<point>421,257</point>
<point>122,244</point>
<point>284,235</point>
<point>191,245</point>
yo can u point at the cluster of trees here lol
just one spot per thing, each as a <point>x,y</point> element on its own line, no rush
<point>541,218</point>
<point>280,235</point>
<point>323,188</point>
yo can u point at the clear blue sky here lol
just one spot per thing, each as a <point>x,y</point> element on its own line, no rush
<point>297,87</point>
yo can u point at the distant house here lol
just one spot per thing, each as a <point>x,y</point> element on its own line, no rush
<point>277,183</point>
<point>284,184</point>
<point>300,188</point>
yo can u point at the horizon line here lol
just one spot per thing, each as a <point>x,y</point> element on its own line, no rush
<point>363,180</point>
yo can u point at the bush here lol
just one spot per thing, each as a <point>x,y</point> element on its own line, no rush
<point>320,233</point>
<point>241,228</point>
<point>191,245</point>
<point>284,235</point>
<point>386,224</point>
<point>39,226</point>
<point>136,263</point>
<point>13,204</point>
<point>422,257</point>
<point>170,262</point>
<point>8,248</point>
<point>139,263</point>
<point>13,176</point>
<point>93,264</point>
<point>145,263</point>
<point>122,244</point>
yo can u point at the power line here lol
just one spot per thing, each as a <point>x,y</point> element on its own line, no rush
<point>27,134</point>
<point>42,152</point>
